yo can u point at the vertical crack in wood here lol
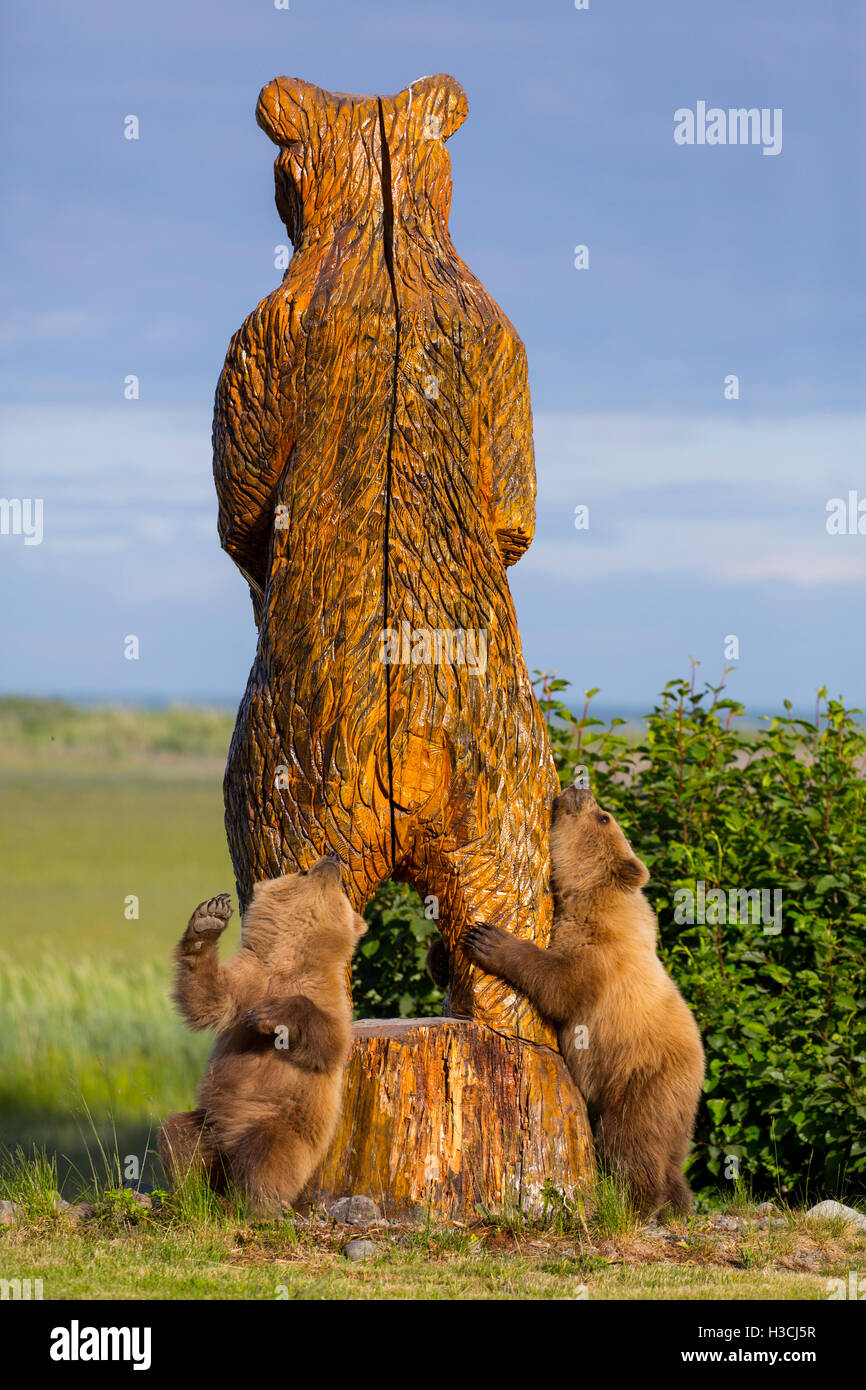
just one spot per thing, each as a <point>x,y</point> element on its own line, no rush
<point>388,235</point>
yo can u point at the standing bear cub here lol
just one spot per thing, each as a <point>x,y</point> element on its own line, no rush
<point>270,1098</point>
<point>630,1042</point>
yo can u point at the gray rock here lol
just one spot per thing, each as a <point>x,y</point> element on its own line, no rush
<point>825,1210</point>
<point>727,1223</point>
<point>767,1209</point>
<point>79,1211</point>
<point>354,1211</point>
<point>653,1232</point>
<point>11,1213</point>
<point>59,1203</point>
<point>361,1250</point>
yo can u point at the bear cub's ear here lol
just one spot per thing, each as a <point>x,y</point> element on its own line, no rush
<point>631,873</point>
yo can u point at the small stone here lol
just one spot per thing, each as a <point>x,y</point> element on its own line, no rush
<point>59,1203</point>
<point>727,1223</point>
<point>143,1200</point>
<point>354,1211</point>
<point>11,1213</point>
<point>80,1211</point>
<point>361,1250</point>
<point>824,1211</point>
<point>767,1209</point>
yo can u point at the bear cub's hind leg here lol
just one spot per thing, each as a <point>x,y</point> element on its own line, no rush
<point>185,1145</point>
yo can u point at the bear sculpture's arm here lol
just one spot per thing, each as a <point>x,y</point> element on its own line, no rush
<point>210,995</point>
<point>547,978</point>
<point>316,1042</point>
<point>512,456</point>
<point>252,437</point>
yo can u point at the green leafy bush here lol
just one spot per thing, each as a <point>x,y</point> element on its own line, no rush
<point>710,804</point>
<point>779,1001</point>
<point>389,971</point>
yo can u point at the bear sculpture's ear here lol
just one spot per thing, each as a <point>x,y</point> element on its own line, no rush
<point>442,102</point>
<point>283,109</point>
<point>631,873</point>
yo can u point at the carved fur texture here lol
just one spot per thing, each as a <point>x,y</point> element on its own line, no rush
<point>374,465</point>
<point>629,1040</point>
<point>270,1098</point>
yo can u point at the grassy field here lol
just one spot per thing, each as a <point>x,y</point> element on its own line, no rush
<point>238,1264</point>
<point>97,807</point>
<point>190,1244</point>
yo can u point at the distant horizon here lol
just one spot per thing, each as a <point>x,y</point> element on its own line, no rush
<point>606,710</point>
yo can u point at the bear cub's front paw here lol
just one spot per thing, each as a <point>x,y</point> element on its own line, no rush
<point>210,918</point>
<point>262,1019</point>
<point>483,943</point>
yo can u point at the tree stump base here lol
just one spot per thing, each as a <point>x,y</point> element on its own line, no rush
<point>443,1116</point>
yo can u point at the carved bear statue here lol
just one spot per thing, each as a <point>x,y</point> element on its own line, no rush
<point>374,465</point>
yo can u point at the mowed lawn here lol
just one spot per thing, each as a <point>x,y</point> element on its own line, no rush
<point>89,1041</point>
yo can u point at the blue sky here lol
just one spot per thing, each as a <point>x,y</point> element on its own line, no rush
<point>707,516</point>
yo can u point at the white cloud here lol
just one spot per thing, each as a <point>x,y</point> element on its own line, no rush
<point>722,498</point>
<point>54,325</point>
<point>711,497</point>
<point>130,454</point>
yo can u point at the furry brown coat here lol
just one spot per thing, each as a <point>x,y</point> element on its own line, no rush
<point>270,1098</point>
<point>625,1031</point>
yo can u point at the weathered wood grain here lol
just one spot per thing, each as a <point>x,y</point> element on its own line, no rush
<point>374,465</point>
<point>444,1115</point>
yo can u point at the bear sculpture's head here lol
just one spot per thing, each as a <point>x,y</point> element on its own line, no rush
<point>350,161</point>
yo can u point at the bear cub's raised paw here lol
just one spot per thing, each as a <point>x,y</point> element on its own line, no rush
<point>211,917</point>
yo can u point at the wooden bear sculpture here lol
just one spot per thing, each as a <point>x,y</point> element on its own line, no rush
<point>374,464</point>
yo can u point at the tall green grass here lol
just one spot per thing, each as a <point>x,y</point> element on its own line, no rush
<point>91,1057</point>
<point>112,731</point>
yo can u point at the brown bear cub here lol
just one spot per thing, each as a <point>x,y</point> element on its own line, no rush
<point>625,1032</point>
<point>270,1098</point>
